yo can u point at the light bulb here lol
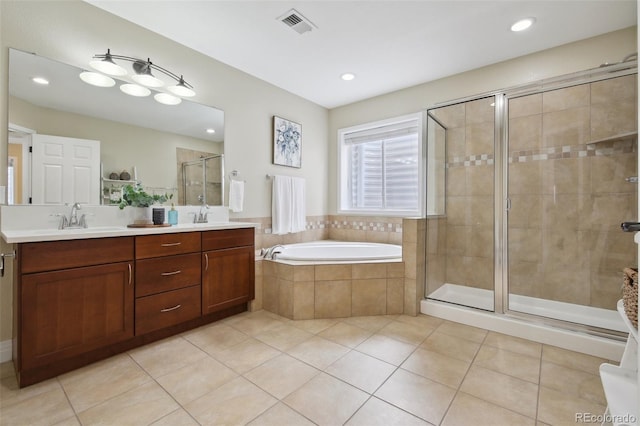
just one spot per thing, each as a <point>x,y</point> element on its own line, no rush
<point>167,99</point>
<point>97,79</point>
<point>107,66</point>
<point>181,90</point>
<point>147,80</point>
<point>135,90</point>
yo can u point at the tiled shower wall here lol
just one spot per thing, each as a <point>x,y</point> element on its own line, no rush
<point>568,165</point>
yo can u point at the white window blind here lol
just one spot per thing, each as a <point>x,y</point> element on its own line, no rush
<point>382,168</point>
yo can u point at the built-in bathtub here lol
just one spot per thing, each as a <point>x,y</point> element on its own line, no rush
<point>331,279</point>
<point>328,251</point>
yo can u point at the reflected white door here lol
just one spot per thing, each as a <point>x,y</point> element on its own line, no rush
<point>65,170</point>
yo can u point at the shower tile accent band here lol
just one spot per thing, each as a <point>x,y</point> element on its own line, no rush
<point>627,146</point>
<point>574,151</point>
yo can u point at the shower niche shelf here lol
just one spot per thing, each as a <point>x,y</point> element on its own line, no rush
<point>616,138</point>
<point>620,383</point>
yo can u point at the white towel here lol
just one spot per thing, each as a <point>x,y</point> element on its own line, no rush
<point>288,212</point>
<point>281,205</point>
<point>236,195</point>
<point>298,212</point>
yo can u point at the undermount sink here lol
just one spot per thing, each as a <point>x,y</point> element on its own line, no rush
<point>91,229</point>
<point>94,229</point>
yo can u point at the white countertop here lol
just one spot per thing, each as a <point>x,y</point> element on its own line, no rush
<point>37,235</point>
<point>35,223</point>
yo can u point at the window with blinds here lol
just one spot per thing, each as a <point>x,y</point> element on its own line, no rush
<point>380,168</point>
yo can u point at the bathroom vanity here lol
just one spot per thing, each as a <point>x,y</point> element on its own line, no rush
<point>88,297</point>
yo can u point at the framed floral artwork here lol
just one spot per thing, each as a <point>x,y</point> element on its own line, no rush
<point>287,143</point>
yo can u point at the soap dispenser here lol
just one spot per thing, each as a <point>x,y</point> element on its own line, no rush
<point>173,215</point>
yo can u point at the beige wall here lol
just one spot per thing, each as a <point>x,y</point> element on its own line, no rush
<point>122,146</point>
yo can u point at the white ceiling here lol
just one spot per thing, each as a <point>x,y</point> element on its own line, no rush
<point>389,45</point>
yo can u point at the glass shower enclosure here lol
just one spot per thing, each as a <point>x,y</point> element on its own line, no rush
<point>203,181</point>
<point>537,182</point>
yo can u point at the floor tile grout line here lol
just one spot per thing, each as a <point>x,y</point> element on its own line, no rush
<point>397,367</point>
<point>539,384</point>
<point>458,388</point>
<point>320,371</point>
<point>163,388</point>
<point>149,376</point>
<point>75,414</point>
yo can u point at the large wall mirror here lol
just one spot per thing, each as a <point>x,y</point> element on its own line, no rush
<point>138,138</point>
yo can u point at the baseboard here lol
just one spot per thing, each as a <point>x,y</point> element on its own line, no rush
<point>5,351</point>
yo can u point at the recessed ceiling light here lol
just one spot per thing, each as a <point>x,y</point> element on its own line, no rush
<point>211,131</point>
<point>40,80</point>
<point>523,24</point>
<point>348,76</point>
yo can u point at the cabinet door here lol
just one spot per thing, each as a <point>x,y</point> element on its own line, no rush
<point>73,311</point>
<point>228,278</point>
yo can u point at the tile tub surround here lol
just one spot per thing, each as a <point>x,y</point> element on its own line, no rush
<point>378,229</point>
<point>259,368</point>
<point>332,290</point>
<point>402,291</point>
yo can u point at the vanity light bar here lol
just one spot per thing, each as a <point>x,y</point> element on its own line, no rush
<point>142,75</point>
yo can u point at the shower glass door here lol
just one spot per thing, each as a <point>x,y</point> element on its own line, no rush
<point>570,153</point>
<point>460,221</point>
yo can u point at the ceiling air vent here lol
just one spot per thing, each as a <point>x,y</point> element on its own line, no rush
<point>294,20</point>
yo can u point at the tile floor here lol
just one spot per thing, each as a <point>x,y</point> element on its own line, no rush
<point>262,369</point>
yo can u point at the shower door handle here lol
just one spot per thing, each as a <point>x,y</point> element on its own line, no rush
<point>508,204</point>
<point>630,226</point>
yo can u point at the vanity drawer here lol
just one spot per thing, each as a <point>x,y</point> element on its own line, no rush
<point>167,273</point>
<point>54,255</point>
<point>227,238</point>
<point>167,309</point>
<point>167,244</point>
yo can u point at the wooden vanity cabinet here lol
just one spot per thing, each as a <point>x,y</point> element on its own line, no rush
<point>79,301</point>
<point>228,268</point>
<point>168,273</point>
<point>72,297</point>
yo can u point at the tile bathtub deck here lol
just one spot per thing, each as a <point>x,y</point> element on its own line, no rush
<point>262,369</point>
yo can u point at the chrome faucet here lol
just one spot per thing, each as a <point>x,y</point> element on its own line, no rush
<point>271,252</point>
<point>73,221</point>
<point>201,217</point>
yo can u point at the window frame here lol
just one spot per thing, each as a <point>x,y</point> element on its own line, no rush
<point>343,190</point>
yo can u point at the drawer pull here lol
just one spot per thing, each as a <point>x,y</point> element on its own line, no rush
<point>166,274</point>
<point>170,309</point>
<point>170,244</point>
